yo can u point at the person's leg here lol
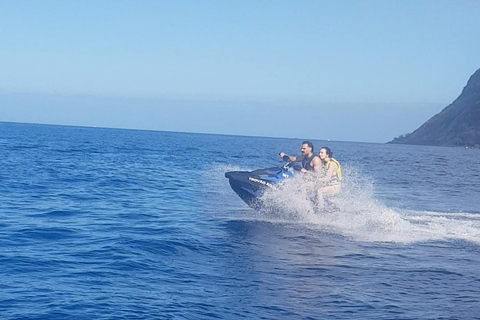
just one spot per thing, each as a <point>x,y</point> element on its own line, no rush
<point>327,191</point>
<point>306,189</point>
<point>332,190</point>
<point>320,200</point>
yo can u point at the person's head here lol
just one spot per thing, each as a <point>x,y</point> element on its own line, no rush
<point>307,148</point>
<point>325,153</point>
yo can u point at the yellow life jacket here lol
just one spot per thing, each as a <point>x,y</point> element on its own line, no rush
<point>337,175</point>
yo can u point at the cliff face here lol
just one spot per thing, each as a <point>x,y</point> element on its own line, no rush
<point>456,125</point>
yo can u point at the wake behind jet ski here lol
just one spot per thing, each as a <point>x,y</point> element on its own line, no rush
<point>251,185</point>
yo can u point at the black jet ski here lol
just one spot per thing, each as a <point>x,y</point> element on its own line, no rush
<point>250,185</point>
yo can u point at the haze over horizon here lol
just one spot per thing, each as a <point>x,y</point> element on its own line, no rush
<point>345,70</point>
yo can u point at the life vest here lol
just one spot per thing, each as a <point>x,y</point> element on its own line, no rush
<point>337,175</point>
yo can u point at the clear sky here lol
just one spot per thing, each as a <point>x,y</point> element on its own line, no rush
<point>341,70</point>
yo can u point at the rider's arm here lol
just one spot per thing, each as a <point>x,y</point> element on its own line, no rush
<point>317,164</point>
<point>290,158</point>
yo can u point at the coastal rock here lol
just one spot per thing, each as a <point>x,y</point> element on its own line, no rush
<point>456,125</point>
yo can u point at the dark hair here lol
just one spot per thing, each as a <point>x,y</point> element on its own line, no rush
<point>308,143</point>
<point>329,152</point>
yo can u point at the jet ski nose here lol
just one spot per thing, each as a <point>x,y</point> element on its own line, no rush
<point>232,174</point>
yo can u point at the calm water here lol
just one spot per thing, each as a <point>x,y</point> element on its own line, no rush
<point>121,224</point>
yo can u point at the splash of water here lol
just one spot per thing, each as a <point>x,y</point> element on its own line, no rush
<point>360,216</point>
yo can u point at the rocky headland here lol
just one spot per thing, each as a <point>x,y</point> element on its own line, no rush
<point>456,125</point>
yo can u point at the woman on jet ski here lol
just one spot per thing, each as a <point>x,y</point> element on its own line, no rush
<point>331,182</point>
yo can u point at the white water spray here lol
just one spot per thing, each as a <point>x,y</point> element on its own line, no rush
<point>362,217</point>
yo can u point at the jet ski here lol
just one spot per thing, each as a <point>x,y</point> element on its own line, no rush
<point>251,185</point>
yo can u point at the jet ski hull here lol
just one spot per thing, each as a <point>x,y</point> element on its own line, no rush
<point>251,185</point>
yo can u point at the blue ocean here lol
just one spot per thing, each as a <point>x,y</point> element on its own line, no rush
<point>123,224</point>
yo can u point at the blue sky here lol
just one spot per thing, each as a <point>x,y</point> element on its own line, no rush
<point>340,70</point>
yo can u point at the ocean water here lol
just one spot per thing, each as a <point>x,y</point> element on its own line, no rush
<point>123,224</point>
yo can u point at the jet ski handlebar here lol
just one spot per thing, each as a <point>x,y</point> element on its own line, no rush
<point>290,164</point>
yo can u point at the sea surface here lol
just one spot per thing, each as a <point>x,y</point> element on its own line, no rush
<point>123,224</point>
